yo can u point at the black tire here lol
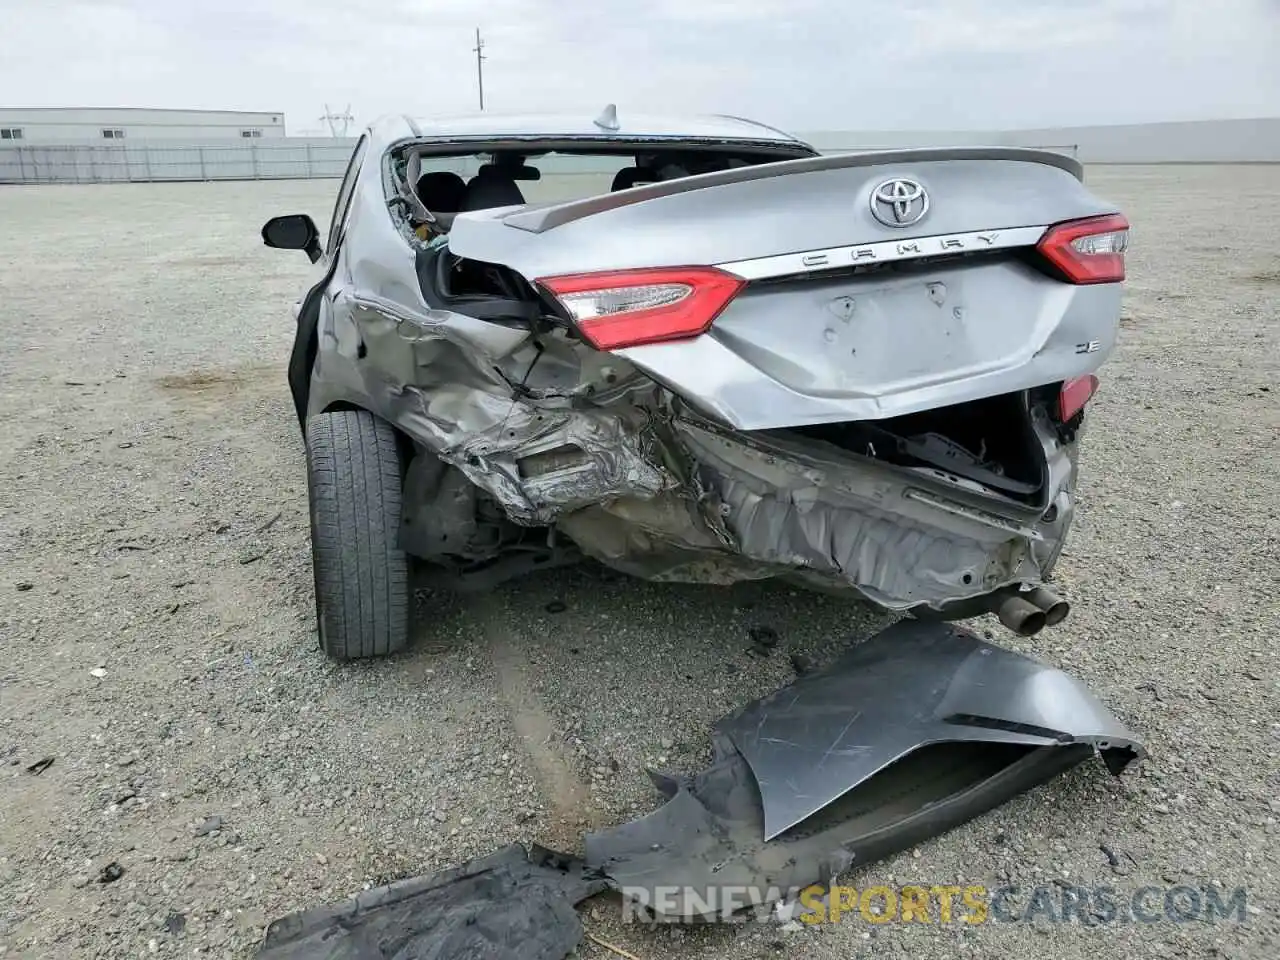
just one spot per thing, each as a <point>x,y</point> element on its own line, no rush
<point>362,578</point>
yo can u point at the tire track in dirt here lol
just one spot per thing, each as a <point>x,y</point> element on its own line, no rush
<point>572,810</point>
<point>220,380</point>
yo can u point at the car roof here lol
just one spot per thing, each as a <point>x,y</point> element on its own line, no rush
<point>563,126</point>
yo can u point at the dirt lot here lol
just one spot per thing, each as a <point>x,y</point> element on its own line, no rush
<point>160,648</point>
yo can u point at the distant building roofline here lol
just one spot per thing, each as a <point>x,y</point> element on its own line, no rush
<point>256,113</point>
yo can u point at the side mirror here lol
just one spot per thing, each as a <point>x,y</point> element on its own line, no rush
<point>295,231</point>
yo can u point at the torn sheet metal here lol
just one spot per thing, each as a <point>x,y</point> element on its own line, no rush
<point>900,543</point>
<point>490,401</point>
<point>511,905</point>
<point>556,433</point>
<point>600,455</point>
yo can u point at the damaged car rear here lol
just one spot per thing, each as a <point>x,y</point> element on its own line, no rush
<point>696,351</point>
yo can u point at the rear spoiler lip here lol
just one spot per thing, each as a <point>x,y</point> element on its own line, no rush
<point>548,217</point>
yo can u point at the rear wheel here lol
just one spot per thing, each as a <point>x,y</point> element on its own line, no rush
<point>361,577</point>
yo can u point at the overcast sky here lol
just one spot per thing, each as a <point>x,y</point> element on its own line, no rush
<point>805,65</point>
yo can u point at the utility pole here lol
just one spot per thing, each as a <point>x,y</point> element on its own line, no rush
<point>480,58</point>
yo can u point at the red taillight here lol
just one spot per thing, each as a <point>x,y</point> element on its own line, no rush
<point>625,308</point>
<point>1089,250</point>
<point>1075,393</point>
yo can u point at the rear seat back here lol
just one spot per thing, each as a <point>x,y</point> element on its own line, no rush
<point>629,177</point>
<point>490,188</point>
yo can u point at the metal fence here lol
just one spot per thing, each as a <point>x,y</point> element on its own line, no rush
<point>299,158</point>
<point>1218,141</point>
<point>293,158</point>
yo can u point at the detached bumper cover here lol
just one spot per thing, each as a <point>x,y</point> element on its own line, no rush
<point>913,732</point>
<point>919,729</point>
<point>908,687</point>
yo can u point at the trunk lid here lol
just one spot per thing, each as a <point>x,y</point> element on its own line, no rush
<point>874,285</point>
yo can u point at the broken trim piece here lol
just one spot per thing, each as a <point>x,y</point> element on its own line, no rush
<point>511,905</point>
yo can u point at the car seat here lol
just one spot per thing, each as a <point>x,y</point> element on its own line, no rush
<point>491,188</point>
<point>629,177</point>
<point>441,191</point>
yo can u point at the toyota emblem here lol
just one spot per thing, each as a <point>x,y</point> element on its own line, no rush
<point>899,202</point>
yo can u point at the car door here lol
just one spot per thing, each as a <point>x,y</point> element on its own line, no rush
<point>303,356</point>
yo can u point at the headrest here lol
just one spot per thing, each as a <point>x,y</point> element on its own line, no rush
<point>516,171</point>
<point>491,189</point>
<point>628,177</point>
<point>441,191</point>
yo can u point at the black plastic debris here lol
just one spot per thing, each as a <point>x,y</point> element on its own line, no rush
<point>763,641</point>
<point>1110,854</point>
<point>512,905</point>
<point>801,664</point>
<point>270,523</point>
<point>175,923</point>
<point>40,766</point>
<point>110,873</point>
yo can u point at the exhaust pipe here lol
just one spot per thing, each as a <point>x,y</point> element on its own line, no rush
<point>1019,614</point>
<point>1026,614</point>
<point>1054,607</point>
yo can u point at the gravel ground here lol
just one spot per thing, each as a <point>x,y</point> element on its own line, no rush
<point>160,643</point>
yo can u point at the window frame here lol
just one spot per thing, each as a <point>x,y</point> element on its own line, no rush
<point>342,205</point>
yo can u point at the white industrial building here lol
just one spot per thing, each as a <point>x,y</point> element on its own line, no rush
<point>92,124</point>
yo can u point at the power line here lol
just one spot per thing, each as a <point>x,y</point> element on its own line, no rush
<point>338,122</point>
